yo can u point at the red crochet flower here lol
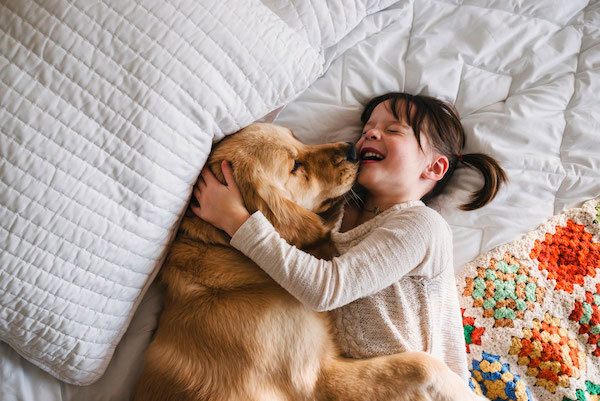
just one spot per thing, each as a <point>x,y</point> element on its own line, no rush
<point>569,255</point>
<point>472,334</point>
<point>587,314</point>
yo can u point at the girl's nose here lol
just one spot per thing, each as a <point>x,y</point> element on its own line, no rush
<point>373,134</point>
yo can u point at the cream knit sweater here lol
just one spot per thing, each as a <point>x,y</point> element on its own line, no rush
<point>392,288</point>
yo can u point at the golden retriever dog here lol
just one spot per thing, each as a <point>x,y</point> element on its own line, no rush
<point>228,332</point>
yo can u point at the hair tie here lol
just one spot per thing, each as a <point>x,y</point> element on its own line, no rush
<point>460,157</point>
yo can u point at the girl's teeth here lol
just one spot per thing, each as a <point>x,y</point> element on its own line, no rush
<point>371,154</point>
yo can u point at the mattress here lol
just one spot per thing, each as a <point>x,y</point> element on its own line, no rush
<point>524,75</point>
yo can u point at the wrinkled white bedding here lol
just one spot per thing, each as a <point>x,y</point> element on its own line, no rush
<point>524,74</point>
<point>525,77</point>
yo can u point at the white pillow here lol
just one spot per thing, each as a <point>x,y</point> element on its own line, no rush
<point>108,113</point>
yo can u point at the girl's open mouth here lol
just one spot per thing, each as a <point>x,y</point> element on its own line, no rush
<point>370,155</point>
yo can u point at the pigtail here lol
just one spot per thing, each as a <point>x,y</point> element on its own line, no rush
<point>493,175</point>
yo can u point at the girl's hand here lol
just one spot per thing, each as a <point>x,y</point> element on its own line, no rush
<point>220,205</point>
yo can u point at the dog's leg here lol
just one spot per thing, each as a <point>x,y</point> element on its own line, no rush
<point>409,376</point>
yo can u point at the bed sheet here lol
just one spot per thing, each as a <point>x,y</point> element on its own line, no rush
<point>525,77</point>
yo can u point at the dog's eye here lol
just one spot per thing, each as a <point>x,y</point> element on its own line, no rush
<point>297,165</point>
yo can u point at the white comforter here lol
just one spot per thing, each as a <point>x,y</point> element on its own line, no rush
<point>525,77</point>
<point>107,113</point>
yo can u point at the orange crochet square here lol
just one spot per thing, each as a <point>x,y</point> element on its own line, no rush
<point>569,255</point>
<point>549,354</point>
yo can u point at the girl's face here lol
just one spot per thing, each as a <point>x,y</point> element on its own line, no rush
<point>391,160</point>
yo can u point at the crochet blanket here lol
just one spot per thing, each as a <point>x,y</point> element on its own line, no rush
<point>531,312</point>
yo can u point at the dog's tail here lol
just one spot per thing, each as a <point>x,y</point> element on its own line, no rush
<point>408,376</point>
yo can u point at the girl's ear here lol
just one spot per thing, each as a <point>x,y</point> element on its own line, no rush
<point>437,168</point>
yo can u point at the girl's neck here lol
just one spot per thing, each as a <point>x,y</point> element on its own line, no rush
<point>357,214</point>
<point>377,204</point>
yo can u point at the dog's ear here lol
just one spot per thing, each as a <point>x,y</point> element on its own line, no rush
<point>332,215</point>
<point>294,223</point>
<point>297,225</point>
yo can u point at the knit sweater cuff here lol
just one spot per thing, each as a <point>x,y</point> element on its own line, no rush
<point>245,238</point>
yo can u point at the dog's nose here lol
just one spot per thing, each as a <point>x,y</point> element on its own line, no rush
<point>351,153</point>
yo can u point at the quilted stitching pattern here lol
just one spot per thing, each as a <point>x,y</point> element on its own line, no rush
<point>108,113</point>
<point>325,23</point>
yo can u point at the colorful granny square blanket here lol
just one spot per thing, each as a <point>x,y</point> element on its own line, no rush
<point>531,312</point>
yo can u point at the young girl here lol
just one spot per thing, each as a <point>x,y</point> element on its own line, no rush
<point>392,288</point>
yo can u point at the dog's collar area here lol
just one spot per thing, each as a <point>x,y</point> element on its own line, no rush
<point>376,210</point>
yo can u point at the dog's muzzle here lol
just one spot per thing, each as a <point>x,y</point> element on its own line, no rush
<point>351,155</point>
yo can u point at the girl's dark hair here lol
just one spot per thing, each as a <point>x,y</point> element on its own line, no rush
<point>440,122</point>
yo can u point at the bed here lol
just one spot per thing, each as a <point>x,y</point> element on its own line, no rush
<point>108,111</point>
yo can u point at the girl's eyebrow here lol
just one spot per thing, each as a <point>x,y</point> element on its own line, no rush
<point>401,124</point>
<point>388,121</point>
<point>375,123</point>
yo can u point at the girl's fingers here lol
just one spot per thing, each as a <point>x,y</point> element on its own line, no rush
<point>208,176</point>
<point>195,209</point>
<point>227,172</point>
<point>200,183</point>
<point>197,194</point>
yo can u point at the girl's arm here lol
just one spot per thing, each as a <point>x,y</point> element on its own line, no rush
<point>406,243</point>
<point>398,248</point>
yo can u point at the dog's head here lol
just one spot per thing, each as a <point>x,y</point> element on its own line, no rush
<point>297,187</point>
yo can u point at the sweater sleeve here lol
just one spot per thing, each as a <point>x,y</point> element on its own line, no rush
<point>400,246</point>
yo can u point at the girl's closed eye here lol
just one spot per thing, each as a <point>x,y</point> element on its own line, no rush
<point>396,130</point>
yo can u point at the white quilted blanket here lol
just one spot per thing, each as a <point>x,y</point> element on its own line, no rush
<point>108,110</point>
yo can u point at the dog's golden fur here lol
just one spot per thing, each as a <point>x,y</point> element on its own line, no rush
<point>229,332</point>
